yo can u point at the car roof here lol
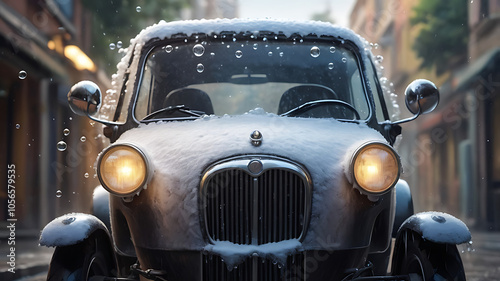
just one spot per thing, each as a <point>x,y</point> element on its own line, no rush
<point>164,29</point>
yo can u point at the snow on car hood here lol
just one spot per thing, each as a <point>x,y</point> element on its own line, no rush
<point>180,151</point>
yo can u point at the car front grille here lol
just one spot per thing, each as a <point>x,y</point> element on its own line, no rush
<point>254,201</point>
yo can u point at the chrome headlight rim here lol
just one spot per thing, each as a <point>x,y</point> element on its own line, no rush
<point>148,170</point>
<point>381,145</point>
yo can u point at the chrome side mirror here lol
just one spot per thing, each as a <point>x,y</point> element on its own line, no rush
<point>84,98</point>
<point>422,96</point>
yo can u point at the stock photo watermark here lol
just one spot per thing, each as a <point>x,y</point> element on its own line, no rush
<point>11,220</point>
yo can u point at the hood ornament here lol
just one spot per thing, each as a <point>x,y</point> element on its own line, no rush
<point>256,138</point>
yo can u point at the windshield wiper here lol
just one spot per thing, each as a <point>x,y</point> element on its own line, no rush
<point>175,108</point>
<point>312,104</point>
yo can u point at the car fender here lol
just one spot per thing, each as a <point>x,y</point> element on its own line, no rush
<point>437,227</point>
<point>71,229</point>
<point>404,205</point>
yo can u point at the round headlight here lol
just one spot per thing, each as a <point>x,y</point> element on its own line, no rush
<point>376,167</point>
<point>123,169</point>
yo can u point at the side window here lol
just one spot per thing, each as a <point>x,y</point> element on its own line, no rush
<point>357,94</point>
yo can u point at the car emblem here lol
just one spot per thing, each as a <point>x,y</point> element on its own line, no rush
<point>256,138</point>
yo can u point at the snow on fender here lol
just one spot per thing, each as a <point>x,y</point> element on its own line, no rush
<point>438,227</point>
<point>70,229</point>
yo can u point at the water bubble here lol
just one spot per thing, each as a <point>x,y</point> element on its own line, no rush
<point>71,118</point>
<point>92,123</point>
<point>264,39</point>
<point>238,54</point>
<point>314,52</point>
<point>86,175</point>
<point>119,44</point>
<point>212,54</point>
<point>169,48</point>
<point>383,80</point>
<point>200,68</point>
<point>83,139</point>
<point>255,46</point>
<point>58,193</point>
<point>66,132</point>
<point>270,54</point>
<point>198,50</point>
<point>331,65</point>
<point>344,60</point>
<point>22,74</point>
<point>138,9</point>
<point>379,58</point>
<point>332,49</point>
<point>281,54</point>
<point>112,46</point>
<point>61,146</point>
<point>18,126</point>
<point>375,45</point>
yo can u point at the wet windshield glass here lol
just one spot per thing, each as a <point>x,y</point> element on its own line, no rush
<point>287,77</point>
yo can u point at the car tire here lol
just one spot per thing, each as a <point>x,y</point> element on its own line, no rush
<point>426,260</point>
<point>91,257</point>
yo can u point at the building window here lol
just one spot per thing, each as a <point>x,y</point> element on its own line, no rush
<point>66,7</point>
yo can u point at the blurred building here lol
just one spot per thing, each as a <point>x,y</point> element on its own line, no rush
<point>451,156</point>
<point>43,46</point>
<point>211,9</point>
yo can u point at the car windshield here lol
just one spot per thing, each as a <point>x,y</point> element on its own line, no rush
<point>216,75</point>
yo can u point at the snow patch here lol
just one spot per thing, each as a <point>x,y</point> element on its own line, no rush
<point>234,254</point>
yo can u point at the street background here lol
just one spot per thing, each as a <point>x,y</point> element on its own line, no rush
<point>451,157</point>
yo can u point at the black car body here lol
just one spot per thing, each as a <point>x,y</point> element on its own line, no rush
<point>251,150</point>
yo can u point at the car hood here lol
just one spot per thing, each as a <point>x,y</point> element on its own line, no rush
<point>180,151</point>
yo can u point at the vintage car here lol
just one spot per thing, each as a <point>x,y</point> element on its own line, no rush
<point>251,150</point>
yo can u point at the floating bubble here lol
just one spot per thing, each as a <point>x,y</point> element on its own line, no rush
<point>331,65</point>
<point>169,48</point>
<point>18,126</point>
<point>238,54</point>
<point>198,50</point>
<point>119,44</point>
<point>270,54</point>
<point>344,60</point>
<point>58,193</point>
<point>22,74</point>
<point>66,132</point>
<point>61,146</point>
<point>332,49</point>
<point>138,9</point>
<point>200,68</point>
<point>112,46</point>
<point>83,139</point>
<point>379,58</point>
<point>281,54</point>
<point>315,52</point>
<point>86,175</point>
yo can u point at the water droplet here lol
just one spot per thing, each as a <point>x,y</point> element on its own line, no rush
<point>112,46</point>
<point>379,58</point>
<point>119,44</point>
<point>238,54</point>
<point>66,131</point>
<point>86,175</point>
<point>281,54</point>
<point>270,53</point>
<point>332,49</point>
<point>61,146</point>
<point>383,80</point>
<point>138,9</point>
<point>198,50</point>
<point>83,139</point>
<point>169,48</point>
<point>264,39</point>
<point>344,60</point>
<point>92,123</point>
<point>71,118</point>
<point>58,193</point>
<point>375,46</point>
<point>200,68</point>
<point>255,46</point>
<point>18,126</point>
<point>22,74</point>
<point>314,52</point>
<point>331,65</point>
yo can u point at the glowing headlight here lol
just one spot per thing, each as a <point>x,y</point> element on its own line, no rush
<point>123,169</point>
<point>376,167</point>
